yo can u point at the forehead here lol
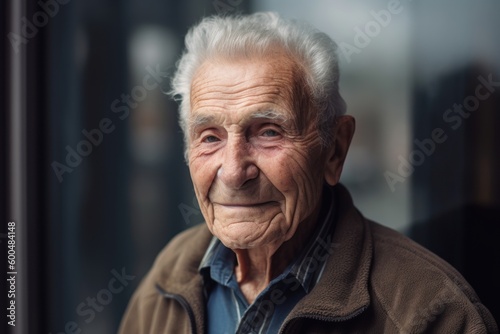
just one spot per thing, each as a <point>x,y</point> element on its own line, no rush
<point>240,68</point>
<point>275,81</point>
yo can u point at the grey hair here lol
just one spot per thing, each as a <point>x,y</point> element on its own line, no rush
<point>258,34</point>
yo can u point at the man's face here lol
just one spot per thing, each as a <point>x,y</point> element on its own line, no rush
<point>254,151</point>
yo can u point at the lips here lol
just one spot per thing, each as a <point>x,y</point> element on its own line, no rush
<point>229,204</point>
<point>256,195</point>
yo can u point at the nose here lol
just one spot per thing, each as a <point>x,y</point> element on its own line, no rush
<point>237,167</point>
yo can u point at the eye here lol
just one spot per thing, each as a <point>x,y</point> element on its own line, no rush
<point>210,139</point>
<point>270,133</point>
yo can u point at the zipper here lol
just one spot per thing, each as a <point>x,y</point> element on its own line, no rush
<point>185,305</point>
<point>317,317</point>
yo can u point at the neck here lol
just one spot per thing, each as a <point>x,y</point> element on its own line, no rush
<point>257,267</point>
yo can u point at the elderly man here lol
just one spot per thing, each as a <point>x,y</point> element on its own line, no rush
<point>283,249</point>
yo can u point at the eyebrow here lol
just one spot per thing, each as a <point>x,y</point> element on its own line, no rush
<point>271,115</point>
<point>201,120</point>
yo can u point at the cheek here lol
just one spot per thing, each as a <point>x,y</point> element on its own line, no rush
<point>296,177</point>
<point>293,169</point>
<point>203,172</point>
<point>202,175</point>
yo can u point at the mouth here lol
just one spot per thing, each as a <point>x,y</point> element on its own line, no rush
<point>244,205</point>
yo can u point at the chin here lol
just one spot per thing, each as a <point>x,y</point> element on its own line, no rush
<point>248,238</point>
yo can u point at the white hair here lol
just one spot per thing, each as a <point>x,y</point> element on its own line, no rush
<point>258,34</point>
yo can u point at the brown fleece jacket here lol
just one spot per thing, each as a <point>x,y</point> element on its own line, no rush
<point>375,281</point>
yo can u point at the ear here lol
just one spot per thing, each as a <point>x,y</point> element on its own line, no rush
<point>344,130</point>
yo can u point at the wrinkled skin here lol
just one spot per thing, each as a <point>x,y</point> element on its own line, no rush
<point>256,161</point>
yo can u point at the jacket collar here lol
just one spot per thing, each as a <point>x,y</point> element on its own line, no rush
<point>178,276</point>
<point>342,292</point>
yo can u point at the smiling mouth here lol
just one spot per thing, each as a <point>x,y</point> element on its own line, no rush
<point>246,205</point>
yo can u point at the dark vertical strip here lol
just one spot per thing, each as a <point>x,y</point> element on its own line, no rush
<point>64,129</point>
<point>16,163</point>
<point>23,101</point>
<point>36,169</point>
<point>4,195</point>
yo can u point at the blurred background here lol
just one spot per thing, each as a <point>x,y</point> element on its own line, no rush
<point>92,167</point>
